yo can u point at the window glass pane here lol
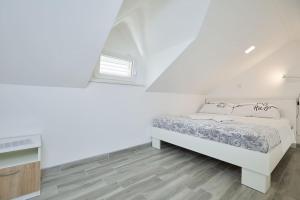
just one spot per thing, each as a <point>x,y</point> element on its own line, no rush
<point>115,66</point>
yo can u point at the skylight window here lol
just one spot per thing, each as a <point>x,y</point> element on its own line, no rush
<point>115,67</point>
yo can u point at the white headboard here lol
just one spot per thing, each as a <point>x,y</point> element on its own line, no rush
<point>288,106</point>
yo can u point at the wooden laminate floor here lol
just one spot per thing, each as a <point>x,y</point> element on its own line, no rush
<point>170,173</point>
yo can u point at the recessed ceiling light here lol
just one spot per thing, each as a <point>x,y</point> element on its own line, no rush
<point>249,50</point>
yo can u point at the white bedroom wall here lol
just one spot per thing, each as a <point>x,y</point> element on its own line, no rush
<point>77,123</point>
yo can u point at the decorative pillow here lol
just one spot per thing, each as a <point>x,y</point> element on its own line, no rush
<point>264,110</point>
<point>217,108</point>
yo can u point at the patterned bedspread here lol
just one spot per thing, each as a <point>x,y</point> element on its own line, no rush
<point>249,136</point>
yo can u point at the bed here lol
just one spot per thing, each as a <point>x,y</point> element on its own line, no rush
<point>255,144</point>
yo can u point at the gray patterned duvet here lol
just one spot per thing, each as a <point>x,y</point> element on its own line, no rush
<point>248,136</point>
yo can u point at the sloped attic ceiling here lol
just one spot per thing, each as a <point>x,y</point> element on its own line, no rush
<point>289,11</point>
<point>229,28</point>
<point>185,46</point>
<point>161,24</point>
<point>265,80</point>
<point>54,42</point>
<point>160,30</point>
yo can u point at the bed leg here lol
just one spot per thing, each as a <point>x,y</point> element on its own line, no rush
<point>156,143</point>
<point>257,181</point>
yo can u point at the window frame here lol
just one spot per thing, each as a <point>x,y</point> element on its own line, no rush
<point>98,77</point>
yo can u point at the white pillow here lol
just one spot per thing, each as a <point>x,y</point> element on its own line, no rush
<point>217,108</point>
<point>263,110</point>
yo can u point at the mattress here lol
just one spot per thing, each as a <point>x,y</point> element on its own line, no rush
<point>257,134</point>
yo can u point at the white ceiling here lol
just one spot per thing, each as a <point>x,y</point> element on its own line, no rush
<point>264,80</point>
<point>185,46</point>
<point>161,30</point>
<point>229,28</point>
<point>55,42</point>
<point>289,11</point>
<point>162,23</point>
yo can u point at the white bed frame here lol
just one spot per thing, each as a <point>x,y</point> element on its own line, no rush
<point>256,166</point>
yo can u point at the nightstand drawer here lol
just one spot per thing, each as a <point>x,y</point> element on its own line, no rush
<point>19,180</point>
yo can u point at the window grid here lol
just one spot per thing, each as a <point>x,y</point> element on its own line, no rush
<point>113,66</point>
